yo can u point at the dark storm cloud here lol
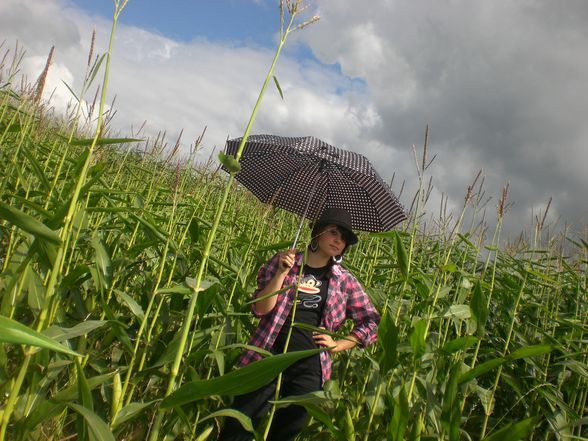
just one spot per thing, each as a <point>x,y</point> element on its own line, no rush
<point>503,85</point>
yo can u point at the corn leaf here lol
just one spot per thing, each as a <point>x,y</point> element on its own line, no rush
<point>59,334</point>
<point>531,351</point>
<point>401,255</point>
<point>278,87</point>
<point>85,396</point>
<point>104,141</point>
<point>237,382</point>
<point>129,412</point>
<point>479,309</point>
<point>102,259</point>
<point>417,338</point>
<point>28,223</point>
<point>14,332</point>
<point>131,304</point>
<point>399,422</point>
<point>47,409</point>
<point>481,369</point>
<point>450,411</point>
<point>97,429</point>
<point>513,432</point>
<point>232,413</point>
<point>459,344</point>
<point>388,341</point>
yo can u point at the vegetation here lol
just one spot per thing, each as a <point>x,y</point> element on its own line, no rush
<point>125,286</point>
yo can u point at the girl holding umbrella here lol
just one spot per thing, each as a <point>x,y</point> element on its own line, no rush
<point>328,295</point>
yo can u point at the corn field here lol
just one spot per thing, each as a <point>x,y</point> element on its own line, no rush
<point>125,302</point>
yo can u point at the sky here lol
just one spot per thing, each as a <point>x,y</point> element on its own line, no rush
<point>502,85</point>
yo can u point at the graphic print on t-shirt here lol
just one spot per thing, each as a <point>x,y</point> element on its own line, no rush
<point>308,291</point>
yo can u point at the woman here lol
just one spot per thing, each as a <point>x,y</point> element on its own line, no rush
<point>327,296</point>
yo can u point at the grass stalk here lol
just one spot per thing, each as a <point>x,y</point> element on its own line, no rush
<point>154,433</point>
<point>64,235</point>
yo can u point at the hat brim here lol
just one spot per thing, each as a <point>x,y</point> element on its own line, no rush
<point>350,234</point>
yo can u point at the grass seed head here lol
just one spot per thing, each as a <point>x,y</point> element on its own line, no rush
<point>43,77</point>
<point>92,47</point>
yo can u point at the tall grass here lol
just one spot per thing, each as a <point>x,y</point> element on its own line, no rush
<point>106,245</point>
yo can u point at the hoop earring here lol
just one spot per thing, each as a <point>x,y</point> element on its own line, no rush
<point>338,259</point>
<point>313,246</point>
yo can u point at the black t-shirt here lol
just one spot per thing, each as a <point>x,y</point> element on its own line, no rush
<point>312,295</point>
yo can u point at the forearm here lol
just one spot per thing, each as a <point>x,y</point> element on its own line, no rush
<point>266,304</point>
<point>346,343</point>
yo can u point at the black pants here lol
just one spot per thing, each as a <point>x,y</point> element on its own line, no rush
<point>287,421</point>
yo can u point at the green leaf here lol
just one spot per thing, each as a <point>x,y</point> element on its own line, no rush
<point>85,396</point>
<point>129,412</point>
<point>205,433</point>
<point>28,223</point>
<point>150,228</point>
<point>70,90</point>
<point>278,86</point>
<point>237,382</point>
<point>50,408</point>
<point>170,351</point>
<point>232,413</point>
<point>315,398</point>
<point>194,230</point>
<point>450,411</point>
<point>102,259</point>
<point>388,341</point>
<point>14,332</point>
<point>465,240</point>
<point>513,432</point>
<point>481,369</point>
<point>479,309</point>
<point>485,396</point>
<point>34,285</point>
<point>104,141</point>
<point>399,422</point>
<point>97,428</point>
<point>60,334</point>
<point>531,351</point>
<point>459,344</point>
<point>417,338</point>
<point>229,163</point>
<point>449,268</point>
<point>36,167</point>
<point>131,303</point>
<point>348,426</point>
<point>94,71</point>
<point>402,256</point>
<point>461,312</point>
<point>176,289</point>
<point>320,415</point>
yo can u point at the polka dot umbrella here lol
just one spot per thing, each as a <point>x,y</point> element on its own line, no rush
<point>305,175</point>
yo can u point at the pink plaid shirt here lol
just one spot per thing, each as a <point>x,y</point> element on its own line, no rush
<point>345,299</point>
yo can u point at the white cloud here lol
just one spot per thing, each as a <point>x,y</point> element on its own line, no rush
<point>176,85</point>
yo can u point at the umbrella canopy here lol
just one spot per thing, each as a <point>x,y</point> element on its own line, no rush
<point>305,175</point>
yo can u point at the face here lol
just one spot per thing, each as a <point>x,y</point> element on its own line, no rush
<point>331,241</point>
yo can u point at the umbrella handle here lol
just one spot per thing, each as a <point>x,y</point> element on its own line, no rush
<point>305,212</point>
<point>298,232</point>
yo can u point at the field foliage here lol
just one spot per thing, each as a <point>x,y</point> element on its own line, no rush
<point>101,240</point>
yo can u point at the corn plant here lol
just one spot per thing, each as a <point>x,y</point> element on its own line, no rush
<point>125,283</point>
